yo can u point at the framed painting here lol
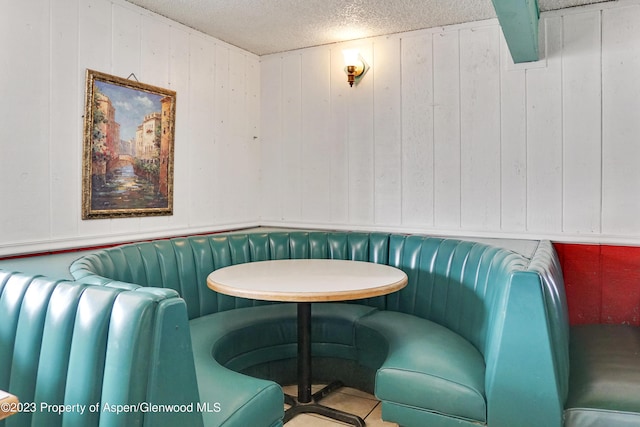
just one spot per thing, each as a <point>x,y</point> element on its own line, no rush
<point>127,166</point>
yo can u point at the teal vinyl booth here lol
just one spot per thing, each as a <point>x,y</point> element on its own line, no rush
<point>90,356</point>
<point>479,336</point>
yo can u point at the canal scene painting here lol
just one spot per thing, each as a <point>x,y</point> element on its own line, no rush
<point>127,148</point>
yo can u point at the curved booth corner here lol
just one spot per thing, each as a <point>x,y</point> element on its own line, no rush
<point>442,351</point>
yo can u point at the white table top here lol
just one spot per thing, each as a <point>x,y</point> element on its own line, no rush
<point>306,280</point>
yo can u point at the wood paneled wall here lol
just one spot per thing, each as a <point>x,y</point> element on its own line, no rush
<point>446,134</point>
<point>46,46</point>
<point>443,135</point>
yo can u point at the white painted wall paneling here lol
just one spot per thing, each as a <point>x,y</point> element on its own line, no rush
<point>291,138</point>
<point>480,161</point>
<point>272,157</point>
<point>417,130</point>
<point>202,124</point>
<point>447,145</point>
<point>25,167</point>
<point>218,115</point>
<point>513,143</point>
<point>360,141</point>
<point>620,127</point>
<point>442,135</point>
<point>315,198</point>
<point>544,136</point>
<point>338,141</point>
<point>581,114</point>
<point>65,154</point>
<point>446,135</point>
<point>387,131</point>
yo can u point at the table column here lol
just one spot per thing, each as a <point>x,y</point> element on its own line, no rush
<point>307,402</point>
<point>304,352</point>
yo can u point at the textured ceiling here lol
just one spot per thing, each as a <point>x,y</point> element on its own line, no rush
<point>269,26</point>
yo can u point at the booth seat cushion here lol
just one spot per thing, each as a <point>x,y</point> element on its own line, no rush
<point>243,400</point>
<point>424,365</point>
<point>234,340</point>
<point>605,376</point>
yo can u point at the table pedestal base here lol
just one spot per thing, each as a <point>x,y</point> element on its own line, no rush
<point>314,407</point>
<point>307,402</point>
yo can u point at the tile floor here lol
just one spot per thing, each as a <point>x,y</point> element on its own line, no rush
<point>346,399</point>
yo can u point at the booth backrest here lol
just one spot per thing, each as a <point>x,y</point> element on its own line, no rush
<point>183,264</point>
<point>529,357</point>
<point>459,284</point>
<point>94,348</point>
<point>546,265</point>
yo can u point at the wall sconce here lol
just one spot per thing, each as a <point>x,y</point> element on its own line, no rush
<point>355,66</point>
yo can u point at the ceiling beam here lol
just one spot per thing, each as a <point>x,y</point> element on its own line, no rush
<point>519,22</point>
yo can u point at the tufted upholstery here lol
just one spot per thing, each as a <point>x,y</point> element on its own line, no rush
<point>496,307</point>
<point>65,343</point>
<point>547,265</point>
<point>183,264</point>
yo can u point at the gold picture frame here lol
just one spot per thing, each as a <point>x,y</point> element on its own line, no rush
<point>127,166</point>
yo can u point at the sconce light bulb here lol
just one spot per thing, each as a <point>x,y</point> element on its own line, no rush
<point>351,56</point>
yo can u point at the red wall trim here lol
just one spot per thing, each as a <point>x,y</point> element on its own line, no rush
<point>602,282</point>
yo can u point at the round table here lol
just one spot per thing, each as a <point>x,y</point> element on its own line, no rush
<point>305,281</point>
